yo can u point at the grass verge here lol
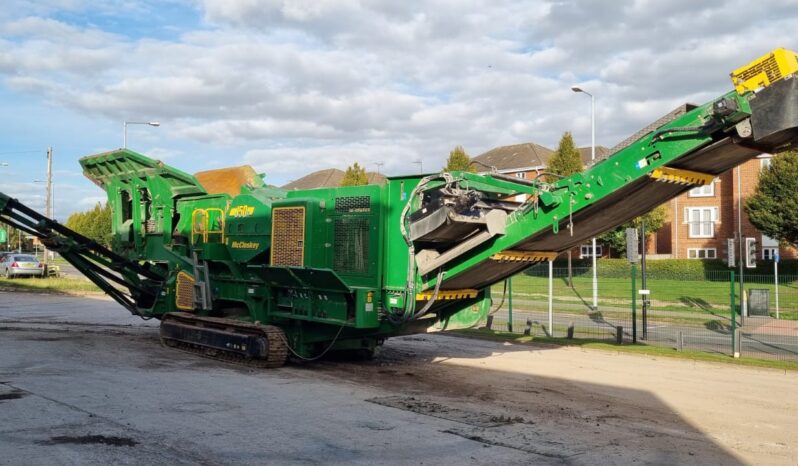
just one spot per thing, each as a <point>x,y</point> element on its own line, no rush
<point>647,350</point>
<point>50,285</point>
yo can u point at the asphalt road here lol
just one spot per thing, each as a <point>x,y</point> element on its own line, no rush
<point>83,383</point>
<point>95,387</point>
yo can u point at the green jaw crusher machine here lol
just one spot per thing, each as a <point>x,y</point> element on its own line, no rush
<point>238,270</point>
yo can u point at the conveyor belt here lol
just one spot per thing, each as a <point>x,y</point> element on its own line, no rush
<point>625,204</point>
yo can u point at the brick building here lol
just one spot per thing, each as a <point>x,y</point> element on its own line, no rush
<point>702,220</point>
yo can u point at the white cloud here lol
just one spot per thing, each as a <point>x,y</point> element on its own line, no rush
<point>283,164</point>
<point>161,153</point>
<point>293,86</point>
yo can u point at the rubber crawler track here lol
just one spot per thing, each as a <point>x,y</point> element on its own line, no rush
<point>277,352</point>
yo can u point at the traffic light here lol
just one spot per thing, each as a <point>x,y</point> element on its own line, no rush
<point>750,253</point>
<point>632,245</point>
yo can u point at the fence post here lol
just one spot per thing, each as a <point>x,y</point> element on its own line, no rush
<point>510,304</point>
<point>551,298</point>
<point>634,304</point>
<point>776,280</point>
<point>733,316</point>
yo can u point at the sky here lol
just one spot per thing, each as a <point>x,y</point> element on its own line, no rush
<point>291,87</point>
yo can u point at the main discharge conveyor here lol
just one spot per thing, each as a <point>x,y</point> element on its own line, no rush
<point>241,271</point>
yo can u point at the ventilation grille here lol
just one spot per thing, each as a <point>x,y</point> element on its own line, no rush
<point>184,291</point>
<point>351,245</point>
<point>768,66</point>
<point>360,204</point>
<point>288,236</point>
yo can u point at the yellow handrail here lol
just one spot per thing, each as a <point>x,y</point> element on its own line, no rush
<point>204,226</point>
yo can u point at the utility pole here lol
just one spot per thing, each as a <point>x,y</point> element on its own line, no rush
<point>49,198</point>
<point>49,201</point>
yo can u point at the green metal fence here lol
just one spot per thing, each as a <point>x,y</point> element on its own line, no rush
<point>697,311</point>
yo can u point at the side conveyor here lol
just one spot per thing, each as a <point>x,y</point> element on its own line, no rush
<point>135,286</point>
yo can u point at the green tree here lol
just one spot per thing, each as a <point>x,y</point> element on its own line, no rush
<point>13,242</point>
<point>355,176</point>
<point>566,159</point>
<point>773,208</point>
<point>94,224</point>
<point>616,239</point>
<point>459,160</point>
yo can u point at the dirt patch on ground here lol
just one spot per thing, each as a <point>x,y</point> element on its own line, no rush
<point>92,440</point>
<point>582,406</point>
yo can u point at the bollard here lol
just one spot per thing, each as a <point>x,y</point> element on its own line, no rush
<point>489,323</point>
<point>528,329</point>
<point>680,341</point>
<point>570,331</point>
<point>739,342</point>
<point>619,335</point>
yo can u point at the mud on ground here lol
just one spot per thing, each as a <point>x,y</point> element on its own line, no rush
<point>587,406</point>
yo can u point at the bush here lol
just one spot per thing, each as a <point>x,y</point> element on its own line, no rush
<point>667,269</point>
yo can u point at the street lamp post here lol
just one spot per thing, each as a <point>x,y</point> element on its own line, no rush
<point>420,165</point>
<point>149,123</point>
<point>592,159</point>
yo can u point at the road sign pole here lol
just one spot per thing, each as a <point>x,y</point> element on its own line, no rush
<point>733,314</point>
<point>643,276</point>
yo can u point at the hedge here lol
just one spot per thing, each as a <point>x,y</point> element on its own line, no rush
<point>667,269</point>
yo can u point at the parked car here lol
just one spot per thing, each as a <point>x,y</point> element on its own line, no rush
<point>21,265</point>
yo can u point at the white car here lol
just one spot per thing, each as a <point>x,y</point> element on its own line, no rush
<point>21,265</point>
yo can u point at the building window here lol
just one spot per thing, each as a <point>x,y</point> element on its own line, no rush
<point>768,242</point>
<point>765,163</point>
<point>701,221</point>
<point>586,251</point>
<point>708,190</point>
<point>702,253</point>
<point>769,254</point>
